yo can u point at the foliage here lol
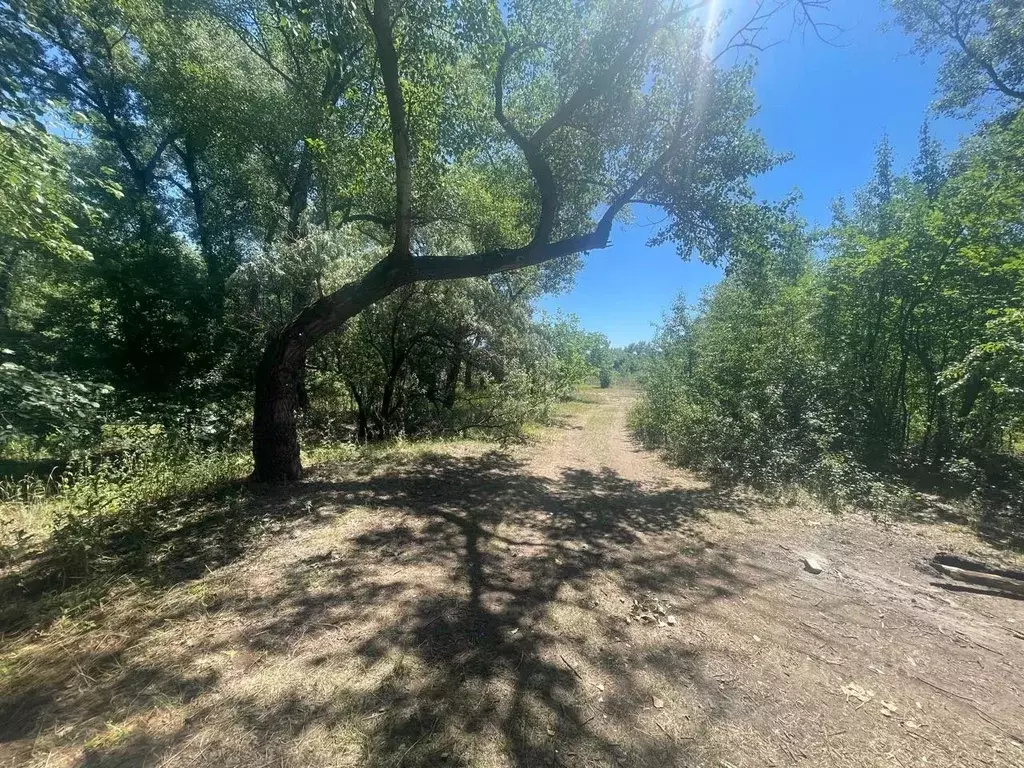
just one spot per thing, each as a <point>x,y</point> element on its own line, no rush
<point>579,354</point>
<point>736,388</point>
<point>227,167</point>
<point>46,410</point>
<point>204,201</point>
<point>982,47</point>
<point>99,511</point>
<point>631,362</point>
<point>899,352</point>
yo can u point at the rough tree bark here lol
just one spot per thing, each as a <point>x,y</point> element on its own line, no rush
<point>275,441</point>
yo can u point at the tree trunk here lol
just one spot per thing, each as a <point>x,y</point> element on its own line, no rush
<point>452,380</point>
<point>301,390</point>
<point>362,419</point>
<point>275,440</point>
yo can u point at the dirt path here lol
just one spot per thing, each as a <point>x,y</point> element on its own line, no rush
<point>573,603</point>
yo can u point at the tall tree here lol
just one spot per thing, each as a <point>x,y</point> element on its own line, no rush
<point>551,111</point>
<point>928,165</point>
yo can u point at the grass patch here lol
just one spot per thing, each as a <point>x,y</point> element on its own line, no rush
<point>150,517</point>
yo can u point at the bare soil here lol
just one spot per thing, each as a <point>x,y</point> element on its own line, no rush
<point>574,602</point>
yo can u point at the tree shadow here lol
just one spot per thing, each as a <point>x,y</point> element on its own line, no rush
<point>996,517</point>
<point>478,616</point>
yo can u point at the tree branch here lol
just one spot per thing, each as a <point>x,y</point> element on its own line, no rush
<point>641,37</point>
<point>158,153</point>
<point>264,56</point>
<point>380,23</point>
<point>957,35</point>
<point>543,176</point>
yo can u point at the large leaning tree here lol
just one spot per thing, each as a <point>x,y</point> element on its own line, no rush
<point>530,125</point>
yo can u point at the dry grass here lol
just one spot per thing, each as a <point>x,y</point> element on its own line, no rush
<point>461,606</point>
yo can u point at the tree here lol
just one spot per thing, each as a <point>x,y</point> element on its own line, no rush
<point>900,350</point>
<point>530,118</point>
<point>982,47</point>
<point>929,170</point>
<point>736,388</point>
<point>37,205</point>
<point>452,140</point>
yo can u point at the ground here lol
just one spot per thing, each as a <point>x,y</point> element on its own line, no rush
<point>572,602</point>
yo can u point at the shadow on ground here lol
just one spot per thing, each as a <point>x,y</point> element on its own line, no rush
<point>996,517</point>
<point>470,613</point>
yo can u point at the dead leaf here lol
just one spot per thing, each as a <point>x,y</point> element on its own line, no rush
<point>857,692</point>
<point>888,708</point>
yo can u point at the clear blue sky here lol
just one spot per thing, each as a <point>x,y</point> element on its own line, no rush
<point>829,106</point>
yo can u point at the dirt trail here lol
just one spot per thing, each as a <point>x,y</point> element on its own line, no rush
<point>571,603</point>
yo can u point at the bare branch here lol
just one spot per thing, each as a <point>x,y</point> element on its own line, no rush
<point>804,16</point>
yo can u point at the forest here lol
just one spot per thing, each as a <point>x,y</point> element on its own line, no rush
<point>225,223</point>
<point>888,347</point>
<point>295,468</point>
<point>182,182</point>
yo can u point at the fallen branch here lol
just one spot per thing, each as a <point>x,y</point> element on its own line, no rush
<point>570,666</point>
<point>983,579</point>
<point>955,561</point>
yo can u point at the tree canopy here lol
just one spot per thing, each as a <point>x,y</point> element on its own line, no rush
<point>898,350</point>
<point>335,220</point>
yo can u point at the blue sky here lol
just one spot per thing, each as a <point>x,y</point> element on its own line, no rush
<point>827,105</point>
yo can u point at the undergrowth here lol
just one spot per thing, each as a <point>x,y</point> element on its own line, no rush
<point>127,509</point>
<point>153,508</point>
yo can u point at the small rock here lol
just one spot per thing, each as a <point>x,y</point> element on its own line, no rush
<point>658,703</point>
<point>671,620</point>
<point>813,564</point>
